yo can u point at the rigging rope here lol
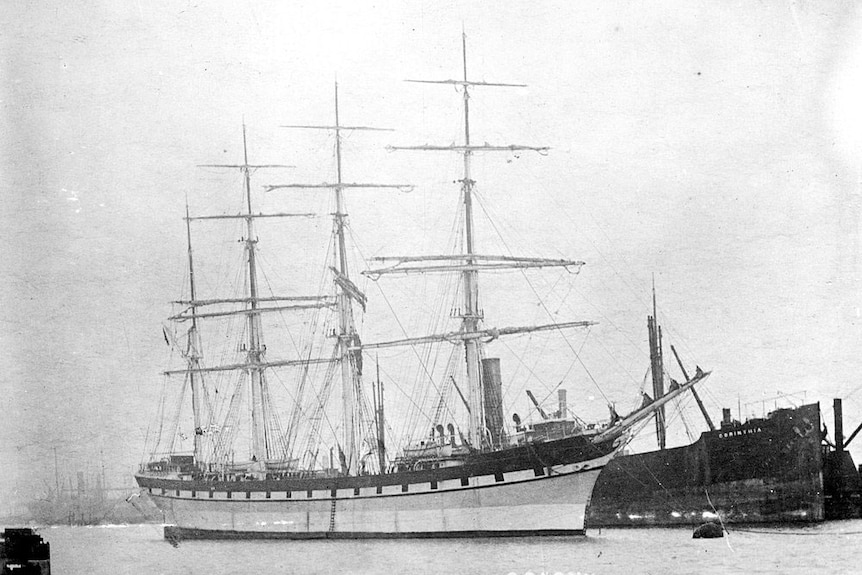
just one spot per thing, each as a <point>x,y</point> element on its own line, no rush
<point>542,303</point>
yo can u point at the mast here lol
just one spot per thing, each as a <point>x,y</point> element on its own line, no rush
<point>472,315</point>
<point>346,329</point>
<point>192,348</point>
<point>657,368</point>
<point>260,441</point>
<point>348,348</point>
<point>470,319</point>
<point>254,363</point>
<point>379,419</point>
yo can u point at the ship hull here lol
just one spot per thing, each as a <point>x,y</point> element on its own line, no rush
<point>551,506</point>
<point>763,471</point>
<point>535,501</point>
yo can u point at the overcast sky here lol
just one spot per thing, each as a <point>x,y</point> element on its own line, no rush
<point>716,145</point>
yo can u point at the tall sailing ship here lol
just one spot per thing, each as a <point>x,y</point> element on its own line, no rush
<point>320,475</point>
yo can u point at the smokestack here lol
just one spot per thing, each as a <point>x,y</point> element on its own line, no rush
<point>725,416</point>
<point>492,387</point>
<point>561,397</point>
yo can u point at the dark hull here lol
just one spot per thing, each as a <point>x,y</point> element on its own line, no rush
<point>763,471</point>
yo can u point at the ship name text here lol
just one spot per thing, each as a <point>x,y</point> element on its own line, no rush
<point>736,432</point>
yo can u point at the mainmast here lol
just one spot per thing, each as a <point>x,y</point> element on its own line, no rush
<point>350,371</point>
<point>348,346</point>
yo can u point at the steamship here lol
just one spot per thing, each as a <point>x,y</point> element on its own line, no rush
<point>780,468</point>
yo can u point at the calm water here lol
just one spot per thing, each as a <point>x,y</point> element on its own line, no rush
<point>826,548</point>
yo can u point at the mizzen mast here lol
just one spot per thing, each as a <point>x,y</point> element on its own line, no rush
<point>348,344</point>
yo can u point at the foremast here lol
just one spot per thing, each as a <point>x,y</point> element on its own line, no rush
<point>348,346</point>
<point>264,433</point>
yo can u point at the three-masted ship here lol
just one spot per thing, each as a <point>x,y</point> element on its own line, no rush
<point>475,477</point>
